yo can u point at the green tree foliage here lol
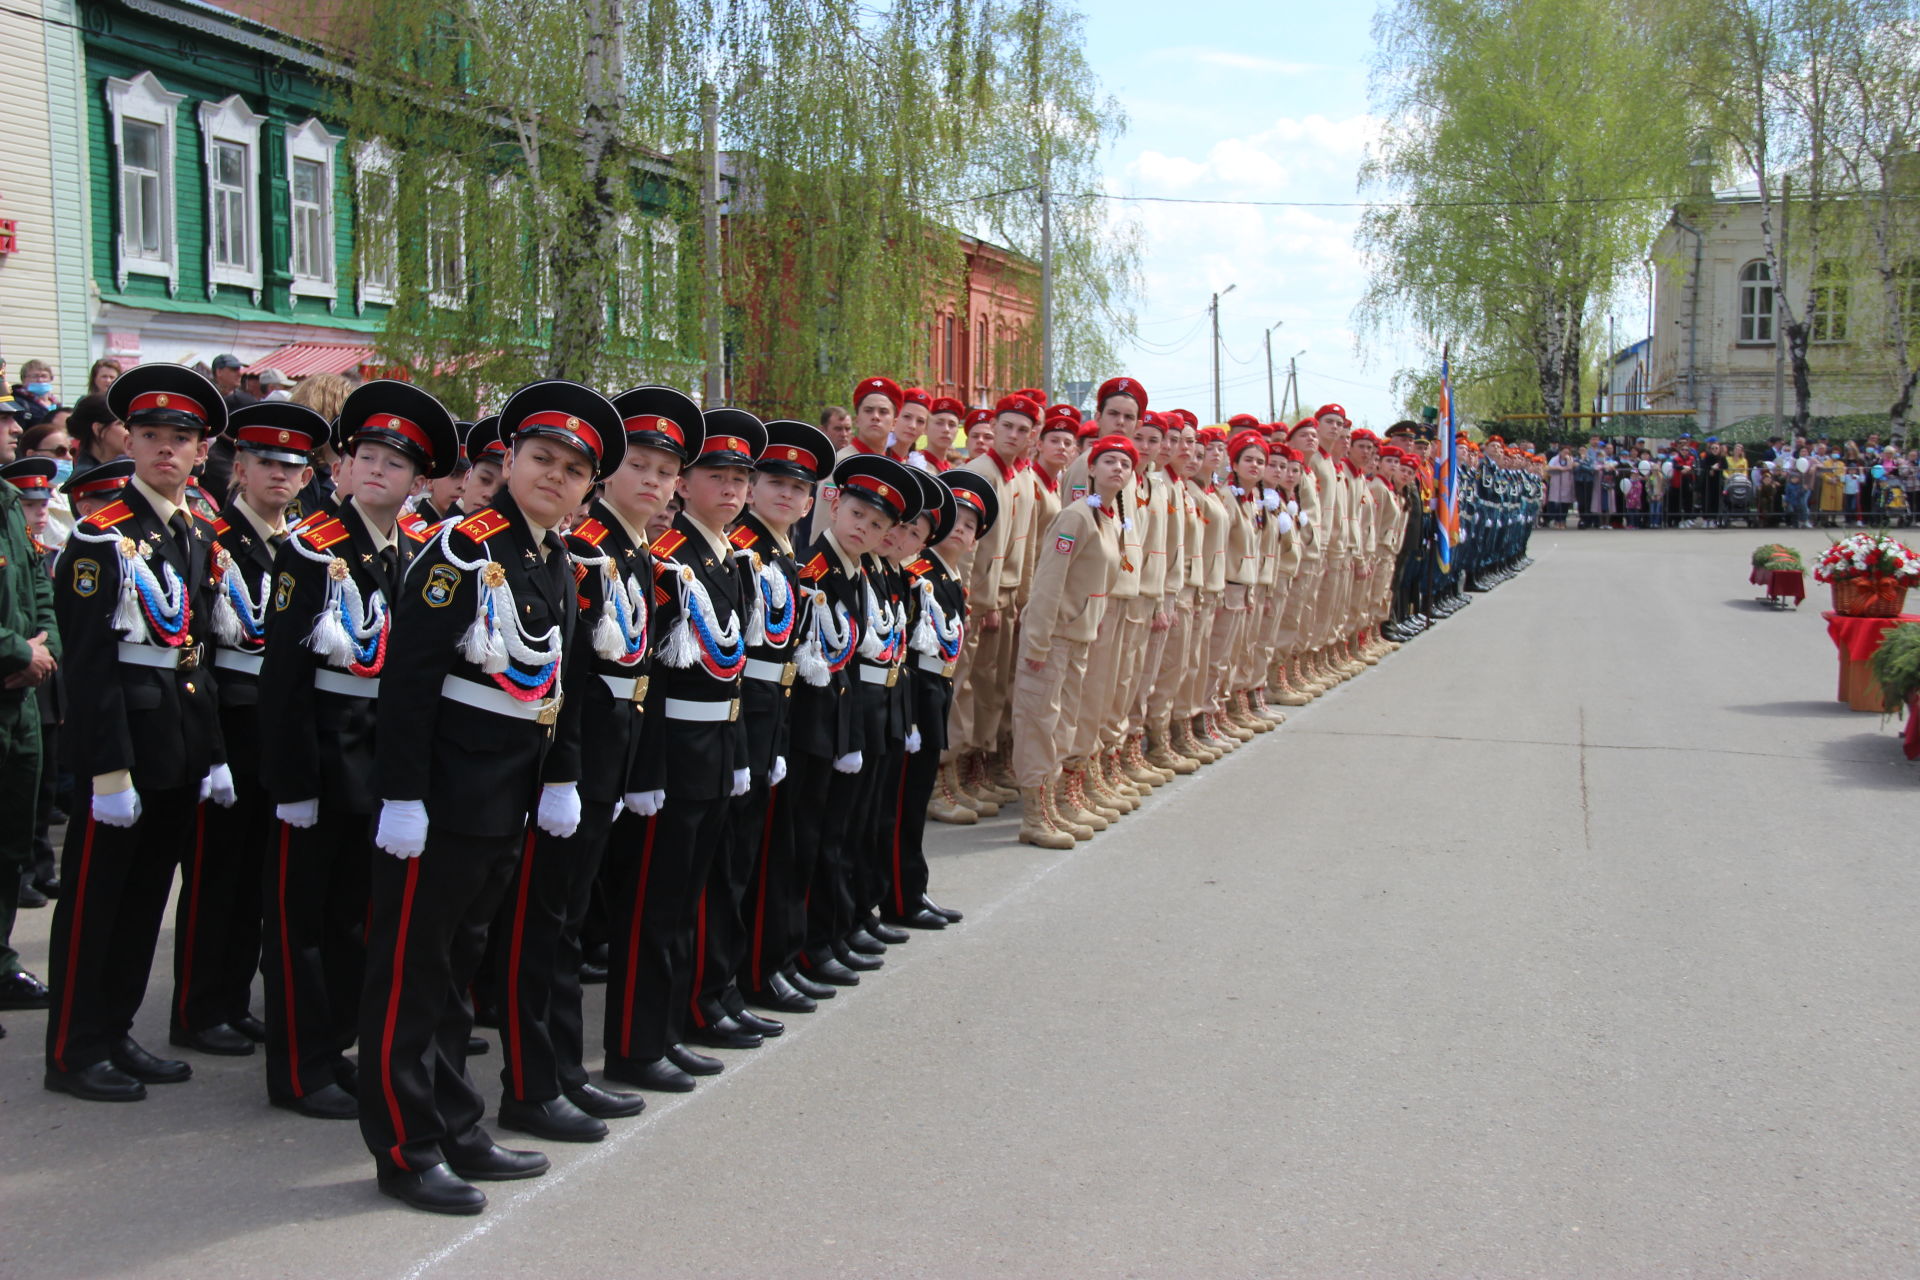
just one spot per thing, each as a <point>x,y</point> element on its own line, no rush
<point>1529,149</point>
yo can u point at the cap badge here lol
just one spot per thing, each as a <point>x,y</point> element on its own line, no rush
<point>285,436</point>
<point>573,425</point>
<point>394,423</point>
<point>162,401</point>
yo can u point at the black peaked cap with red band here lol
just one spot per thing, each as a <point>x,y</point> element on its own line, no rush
<point>798,450</point>
<point>572,414</point>
<point>108,477</point>
<point>280,430</point>
<point>734,439</point>
<point>167,395</point>
<point>400,416</point>
<point>31,476</point>
<point>975,491</point>
<point>936,504</point>
<point>881,481</point>
<point>481,442</point>
<point>661,418</point>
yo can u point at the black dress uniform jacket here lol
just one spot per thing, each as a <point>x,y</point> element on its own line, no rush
<point>602,749</point>
<point>765,705</point>
<point>932,690</point>
<point>823,723</point>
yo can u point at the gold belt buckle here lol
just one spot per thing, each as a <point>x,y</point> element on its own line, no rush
<point>787,673</point>
<point>640,688</point>
<point>549,712</point>
<point>733,710</point>
<point>189,655</point>
<point>947,670</point>
<point>893,674</point>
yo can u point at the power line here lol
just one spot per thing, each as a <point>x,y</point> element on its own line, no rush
<point>1381,204</point>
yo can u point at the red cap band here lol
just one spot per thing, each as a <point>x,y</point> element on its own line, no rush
<point>880,488</point>
<point>663,426</point>
<point>281,437</point>
<point>555,420</point>
<point>791,453</point>
<point>725,444</point>
<point>167,400</point>
<point>405,428</point>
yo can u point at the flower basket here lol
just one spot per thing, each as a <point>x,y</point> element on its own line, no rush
<point>1870,597</point>
<point>1774,557</point>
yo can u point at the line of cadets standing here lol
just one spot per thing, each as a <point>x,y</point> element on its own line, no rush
<point>727,737</point>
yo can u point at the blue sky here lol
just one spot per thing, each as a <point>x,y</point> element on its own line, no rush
<point>1239,101</point>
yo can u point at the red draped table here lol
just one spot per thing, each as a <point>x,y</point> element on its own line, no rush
<point>1780,584</point>
<point>1858,639</point>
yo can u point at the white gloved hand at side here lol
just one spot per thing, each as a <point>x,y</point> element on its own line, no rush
<point>559,813</point>
<point>913,741</point>
<point>644,804</point>
<point>742,782</point>
<point>219,787</point>
<point>777,774</point>
<point>1270,499</point>
<point>118,809</point>
<point>848,763</point>
<point>403,828</point>
<point>301,813</point>
<point>1283,522</point>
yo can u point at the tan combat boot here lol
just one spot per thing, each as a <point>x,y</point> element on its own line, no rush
<point>1079,805</point>
<point>1034,828</point>
<point>972,794</point>
<point>946,805</point>
<point>1165,754</point>
<point>1056,818</point>
<point>999,778</point>
<point>1189,746</point>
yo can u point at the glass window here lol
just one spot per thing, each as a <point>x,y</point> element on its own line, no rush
<point>1832,295</point>
<point>142,197</point>
<point>446,246</point>
<point>665,283</point>
<point>1756,302</point>
<point>310,256</point>
<point>379,256</point>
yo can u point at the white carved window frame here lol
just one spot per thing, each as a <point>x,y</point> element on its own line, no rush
<point>446,205</point>
<point>145,100</point>
<point>233,122</point>
<point>312,143</point>
<point>663,270</point>
<point>373,163</point>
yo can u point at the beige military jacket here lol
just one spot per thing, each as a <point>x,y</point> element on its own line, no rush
<point>1079,563</point>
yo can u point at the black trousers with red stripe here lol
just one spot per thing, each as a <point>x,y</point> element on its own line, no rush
<point>662,874</point>
<point>539,954</point>
<point>313,961</point>
<point>216,920</point>
<point>427,931</point>
<point>838,834</point>
<point>907,846</point>
<point>114,887</point>
<point>873,860</point>
<point>721,932</point>
<point>776,901</point>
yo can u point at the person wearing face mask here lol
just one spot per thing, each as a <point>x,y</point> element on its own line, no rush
<point>52,442</point>
<point>34,393</point>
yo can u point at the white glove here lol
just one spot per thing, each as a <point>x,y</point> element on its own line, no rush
<point>742,781</point>
<point>559,813</point>
<point>1293,506</point>
<point>1306,519</point>
<point>1283,522</point>
<point>1270,499</point>
<point>644,804</point>
<point>219,787</point>
<point>120,809</point>
<point>848,763</point>
<point>913,741</point>
<point>403,828</point>
<point>777,774</point>
<point>301,813</point>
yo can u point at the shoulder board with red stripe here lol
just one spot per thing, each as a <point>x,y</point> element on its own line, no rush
<point>669,542</point>
<point>324,533</point>
<point>590,531</point>
<point>417,528</point>
<point>816,568</point>
<point>921,567</point>
<point>108,516</point>
<point>483,525</point>
<point>220,526</point>
<point>743,538</point>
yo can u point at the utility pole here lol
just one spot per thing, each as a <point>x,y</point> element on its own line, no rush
<point>1271,413</point>
<point>715,389</point>
<point>1214,308</point>
<point>1046,276</point>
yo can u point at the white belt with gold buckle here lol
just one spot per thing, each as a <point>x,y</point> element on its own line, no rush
<point>346,684</point>
<point>499,701</point>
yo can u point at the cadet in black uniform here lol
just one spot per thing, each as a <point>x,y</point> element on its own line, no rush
<point>216,939</point>
<point>336,584</point>
<point>469,707</point>
<point>441,501</point>
<point>134,598</point>
<point>797,457</point>
<point>608,674</point>
<point>694,753</point>
<point>964,509</point>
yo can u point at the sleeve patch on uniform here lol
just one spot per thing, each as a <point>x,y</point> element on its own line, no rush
<point>1063,543</point>
<point>86,577</point>
<point>442,582</point>
<point>282,592</point>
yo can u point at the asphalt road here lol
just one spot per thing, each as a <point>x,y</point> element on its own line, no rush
<point>1576,939</point>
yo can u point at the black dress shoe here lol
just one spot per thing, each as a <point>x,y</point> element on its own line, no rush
<point>21,990</point>
<point>328,1102</point>
<point>780,996</point>
<point>808,986</point>
<point>220,1039</point>
<point>694,1064</point>
<point>48,886</point>
<point>659,1075</point>
<point>605,1104</point>
<point>144,1067</point>
<point>592,974</point>
<point>346,1074</point>
<point>250,1027</point>
<point>556,1119</point>
<point>494,1163</point>
<point>724,1033</point>
<point>477,1047</point>
<point>765,1028</point>
<point>952,916</point>
<point>833,973</point>
<point>922,918</point>
<point>855,960</point>
<point>31,898</point>
<point>436,1190</point>
<point>887,933</point>
<point>101,1082</point>
<point>865,943</point>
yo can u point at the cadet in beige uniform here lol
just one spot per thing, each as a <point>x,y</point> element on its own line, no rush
<point>1146,638</point>
<point>1184,541</point>
<point>1204,742</point>
<point>1300,684</point>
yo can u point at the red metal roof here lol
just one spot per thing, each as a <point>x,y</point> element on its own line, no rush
<point>298,359</point>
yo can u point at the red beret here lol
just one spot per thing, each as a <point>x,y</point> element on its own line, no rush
<point>1057,421</point>
<point>1187,416</point>
<point>1290,453</point>
<point>919,396</point>
<point>1111,444</point>
<point>1239,420</point>
<point>1212,435</point>
<point>1034,394</point>
<point>1120,387</point>
<point>879,387</point>
<point>1361,435</point>
<point>1088,430</point>
<point>947,404</point>
<point>1064,411</point>
<point>1326,409</point>
<point>977,416</point>
<point>1246,439</point>
<point>1302,425</point>
<point>1152,419</point>
<point>1025,406</point>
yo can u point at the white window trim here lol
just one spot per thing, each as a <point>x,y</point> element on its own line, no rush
<point>1740,312</point>
<point>371,158</point>
<point>312,142</point>
<point>448,181</point>
<point>232,120</point>
<point>665,233</point>
<point>146,100</point>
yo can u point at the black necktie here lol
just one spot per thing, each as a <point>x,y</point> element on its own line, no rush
<point>183,537</point>
<point>390,564</point>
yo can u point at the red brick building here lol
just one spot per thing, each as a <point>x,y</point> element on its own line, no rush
<point>985,336</point>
